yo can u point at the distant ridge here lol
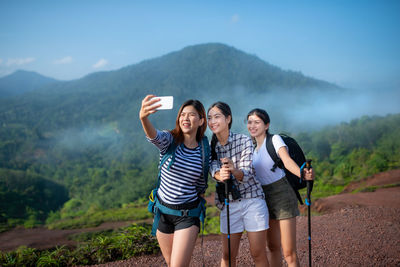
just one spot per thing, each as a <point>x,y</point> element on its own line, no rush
<point>22,81</point>
<point>206,67</point>
<point>201,71</point>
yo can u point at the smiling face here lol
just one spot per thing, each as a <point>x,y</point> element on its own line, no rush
<point>256,126</point>
<point>189,120</point>
<point>217,122</point>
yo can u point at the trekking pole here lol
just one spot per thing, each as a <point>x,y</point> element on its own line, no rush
<point>308,202</point>
<point>227,218</point>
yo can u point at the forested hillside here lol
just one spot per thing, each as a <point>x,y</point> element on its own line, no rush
<point>83,137</point>
<point>354,150</point>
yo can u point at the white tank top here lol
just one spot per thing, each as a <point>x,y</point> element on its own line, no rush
<point>263,162</point>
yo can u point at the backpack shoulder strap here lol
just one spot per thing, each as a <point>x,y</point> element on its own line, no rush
<point>170,153</point>
<point>271,151</point>
<point>205,154</point>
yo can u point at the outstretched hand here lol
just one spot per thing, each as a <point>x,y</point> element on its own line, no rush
<point>149,106</point>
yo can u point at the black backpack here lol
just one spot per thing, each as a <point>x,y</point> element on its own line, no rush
<point>296,153</point>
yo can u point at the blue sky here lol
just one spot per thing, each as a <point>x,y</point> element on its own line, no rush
<point>350,43</point>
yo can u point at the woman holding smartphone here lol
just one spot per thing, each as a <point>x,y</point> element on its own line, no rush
<point>181,183</point>
<point>232,156</point>
<point>279,195</point>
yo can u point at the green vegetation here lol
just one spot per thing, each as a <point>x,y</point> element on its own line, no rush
<point>131,212</point>
<point>100,248</point>
<point>27,198</point>
<point>351,151</point>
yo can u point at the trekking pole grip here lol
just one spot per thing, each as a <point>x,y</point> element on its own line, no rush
<point>310,183</point>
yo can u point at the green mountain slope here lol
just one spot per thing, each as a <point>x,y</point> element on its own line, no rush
<point>85,134</point>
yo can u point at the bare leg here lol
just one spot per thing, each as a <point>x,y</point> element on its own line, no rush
<point>165,241</point>
<point>235,241</point>
<point>257,242</point>
<point>288,240</point>
<point>274,244</point>
<point>183,246</point>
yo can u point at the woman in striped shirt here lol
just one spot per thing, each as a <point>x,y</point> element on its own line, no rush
<point>183,181</point>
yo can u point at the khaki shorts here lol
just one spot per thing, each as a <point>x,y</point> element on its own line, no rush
<point>281,200</point>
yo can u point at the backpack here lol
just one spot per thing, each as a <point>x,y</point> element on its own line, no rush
<point>297,154</point>
<point>157,208</point>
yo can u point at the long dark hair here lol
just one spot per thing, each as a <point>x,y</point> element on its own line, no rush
<point>263,115</point>
<point>177,132</point>
<point>226,111</point>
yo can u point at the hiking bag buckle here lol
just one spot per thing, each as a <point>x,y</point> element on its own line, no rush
<point>185,213</point>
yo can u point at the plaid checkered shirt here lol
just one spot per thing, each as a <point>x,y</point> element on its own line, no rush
<point>239,149</point>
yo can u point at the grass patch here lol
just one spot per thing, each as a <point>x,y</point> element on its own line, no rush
<point>212,220</point>
<point>93,219</point>
<point>321,190</point>
<point>373,188</point>
<point>85,237</point>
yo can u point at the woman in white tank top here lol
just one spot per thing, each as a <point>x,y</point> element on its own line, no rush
<point>279,195</point>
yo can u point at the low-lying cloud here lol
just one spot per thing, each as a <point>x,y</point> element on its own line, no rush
<point>308,110</point>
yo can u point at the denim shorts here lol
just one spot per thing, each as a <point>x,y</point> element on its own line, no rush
<point>245,214</point>
<point>281,200</point>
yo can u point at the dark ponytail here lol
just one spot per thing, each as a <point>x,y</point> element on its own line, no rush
<point>214,141</point>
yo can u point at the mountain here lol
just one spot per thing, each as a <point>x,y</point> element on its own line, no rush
<point>85,134</point>
<point>21,82</point>
<point>209,71</point>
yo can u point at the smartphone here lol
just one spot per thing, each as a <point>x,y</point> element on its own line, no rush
<point>167,102</point>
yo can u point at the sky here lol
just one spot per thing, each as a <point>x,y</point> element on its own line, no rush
<point>355,44</point>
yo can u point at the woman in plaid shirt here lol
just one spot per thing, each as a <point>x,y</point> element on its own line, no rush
<point>232,156</point>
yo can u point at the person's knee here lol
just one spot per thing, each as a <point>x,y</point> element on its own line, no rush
<point>258,252</point>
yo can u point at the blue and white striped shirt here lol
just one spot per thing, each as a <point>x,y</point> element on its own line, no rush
<point>184,180</point>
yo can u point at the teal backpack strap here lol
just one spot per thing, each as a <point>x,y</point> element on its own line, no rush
<point>152,207</point>
<point>170,153</point>
<point>157,216</point>
<point>205,153</point>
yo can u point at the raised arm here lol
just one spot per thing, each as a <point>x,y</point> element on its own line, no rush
<point>148,107</point>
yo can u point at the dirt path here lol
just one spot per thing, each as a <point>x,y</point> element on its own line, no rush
<point>43,238</point>
<point>361,229</point>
